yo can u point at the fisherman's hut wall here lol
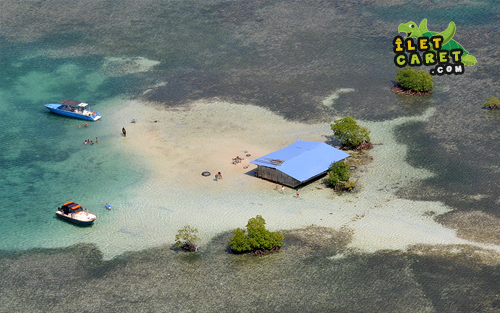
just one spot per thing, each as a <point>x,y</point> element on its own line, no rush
<point>276,176</point>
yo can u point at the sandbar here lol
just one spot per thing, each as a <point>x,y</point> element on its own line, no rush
<point>175,145</point>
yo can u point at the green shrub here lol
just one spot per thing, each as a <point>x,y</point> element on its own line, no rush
<point>187,238</point>
<point>493,103</point>
<point>239,241</point>
<point>256,238</point>
<point>349,132</point>
<point>338,174</point>
<point>411,79</point>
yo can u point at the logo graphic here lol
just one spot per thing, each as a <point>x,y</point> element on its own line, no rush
<point>436,48</point>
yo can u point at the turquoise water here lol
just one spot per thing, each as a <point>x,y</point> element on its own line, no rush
<point>286,56</point>
<point>44,160</point>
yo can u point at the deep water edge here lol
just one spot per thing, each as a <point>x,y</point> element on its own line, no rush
<point>301,277</point>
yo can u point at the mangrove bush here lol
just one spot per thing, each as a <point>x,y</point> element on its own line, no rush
<point>414,80</point>
<point>339,175</point>
<point>493,103</point>
<point>187,238</point>
<point>350,133</point>
<point>256,239</point>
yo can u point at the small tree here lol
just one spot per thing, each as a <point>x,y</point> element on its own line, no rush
<point>187,238</point>
<point>239,241</point>
<point>339,175</point>
<point>411,79</point>
<point>349,132</point>
<point>257,238</point>
<point>493,103</point>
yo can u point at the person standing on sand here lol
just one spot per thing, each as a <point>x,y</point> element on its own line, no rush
<point>220,175</point>
<point>297,192</point>
<point>283,189</point>
<point>277,186</point>
<point>124,132</point>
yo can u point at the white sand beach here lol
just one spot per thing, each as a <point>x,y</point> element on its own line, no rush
<point>177,145</point>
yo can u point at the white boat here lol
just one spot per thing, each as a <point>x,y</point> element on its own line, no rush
<point>73,212</point>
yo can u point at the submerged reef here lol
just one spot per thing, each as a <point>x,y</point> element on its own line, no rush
<point>315,271</point>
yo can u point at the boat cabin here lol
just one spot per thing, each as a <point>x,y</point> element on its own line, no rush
<point>71,208</point>
<point>73,103</point>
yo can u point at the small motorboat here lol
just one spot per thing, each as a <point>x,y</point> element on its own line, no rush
<point>74,109</point>
<point>108,206</point>
<point>73,212</point>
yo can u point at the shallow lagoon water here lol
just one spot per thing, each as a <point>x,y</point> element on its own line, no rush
<point>261,55</point>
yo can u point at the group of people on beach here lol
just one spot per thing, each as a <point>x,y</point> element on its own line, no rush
<point>218,176</point>
<point>88,141</point>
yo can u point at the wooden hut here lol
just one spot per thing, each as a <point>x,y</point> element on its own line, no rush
<point>298,163</point>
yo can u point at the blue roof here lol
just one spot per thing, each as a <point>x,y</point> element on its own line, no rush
<point>302,160</point>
